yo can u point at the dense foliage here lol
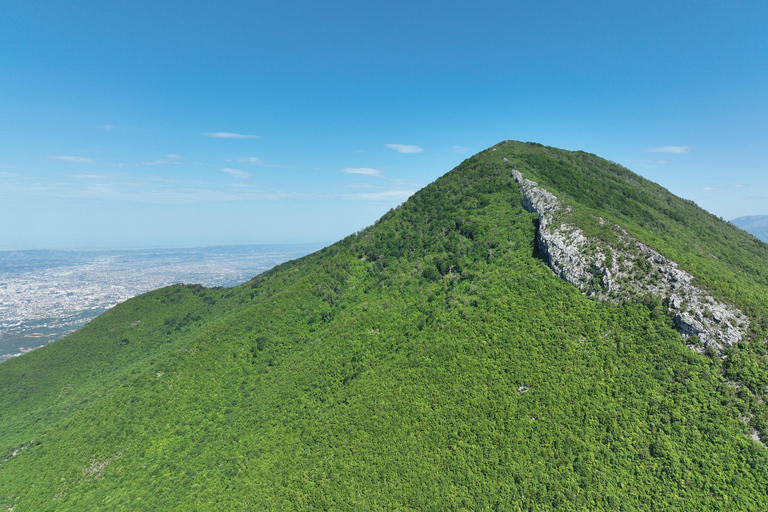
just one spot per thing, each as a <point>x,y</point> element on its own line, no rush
<point>429,362</point>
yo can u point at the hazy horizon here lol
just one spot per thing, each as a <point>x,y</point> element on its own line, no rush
<point>157,247</point>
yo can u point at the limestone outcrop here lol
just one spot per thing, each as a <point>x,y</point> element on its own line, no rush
<point>628,269</point>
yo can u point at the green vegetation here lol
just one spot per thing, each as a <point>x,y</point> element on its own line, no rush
<point>429,362</point>
<point>729,262</point>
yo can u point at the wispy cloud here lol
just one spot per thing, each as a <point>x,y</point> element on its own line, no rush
<point>156,189</point>
<point>166,161</point>
<point>173,156</point>
<point>362,170</point>
<point>386,195</point>
<point>107,127</point>
<point>257,161</point>
<point>460,149</point>
<point>73,159</point>
<point>237,173</point>
<point>647,163</point>
<point>675,150</point>
<point>125,188</point>
<point>723,188</point>
<point>404,148</point>
<point>229,135</point>
<point>392,190</point>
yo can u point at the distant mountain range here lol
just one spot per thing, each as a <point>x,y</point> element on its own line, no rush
<point>538,329</point>
<point>754,224</point>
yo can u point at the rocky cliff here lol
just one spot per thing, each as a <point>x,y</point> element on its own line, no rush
<point>628,269</point>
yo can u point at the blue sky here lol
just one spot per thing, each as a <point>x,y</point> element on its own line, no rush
<point>145,123</point>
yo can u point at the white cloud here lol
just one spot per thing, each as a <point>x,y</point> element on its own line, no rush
<point>107,127</point>
<point>237,173</point>
<point>154,189</point>
<point>362,170</point>
<point>73,159</point>
<point>250,160</point>
<point>708,188</point>
<point>131,188</point>
<point>404,148</point>
<point>647,163</point>
<point>394,190</point>
<point>460,149</point>
<point>675,150</point>
<point>396,194</point>
<point>171,159</point>
<point>257,161</point>
<point>228,135</point>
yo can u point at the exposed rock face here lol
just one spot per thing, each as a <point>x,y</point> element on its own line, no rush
<point>628,270</point>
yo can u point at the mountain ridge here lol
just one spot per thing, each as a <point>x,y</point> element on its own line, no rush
<point>432,361</point>
<point>608,272</point>
<point>754,224</point>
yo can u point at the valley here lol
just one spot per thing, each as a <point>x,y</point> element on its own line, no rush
<point>45,295</point>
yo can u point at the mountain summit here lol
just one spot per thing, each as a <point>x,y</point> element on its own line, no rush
<point>538,329</point>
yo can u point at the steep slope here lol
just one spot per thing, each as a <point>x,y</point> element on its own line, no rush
<point>433,361</point>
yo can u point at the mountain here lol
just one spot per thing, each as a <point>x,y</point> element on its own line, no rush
<point>755,224</point>
<point>538,329</point>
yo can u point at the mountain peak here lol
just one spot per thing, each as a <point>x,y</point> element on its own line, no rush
<point>520,312</point>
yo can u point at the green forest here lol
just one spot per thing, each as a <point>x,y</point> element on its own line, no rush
<point>429,362</point>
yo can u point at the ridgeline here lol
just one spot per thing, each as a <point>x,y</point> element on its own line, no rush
<point>433,361</point>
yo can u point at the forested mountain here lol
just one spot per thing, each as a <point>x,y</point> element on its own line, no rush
<point>755,224</point>
<point>538,329</point>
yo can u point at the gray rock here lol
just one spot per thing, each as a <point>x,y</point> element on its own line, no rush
<point>632,271</point>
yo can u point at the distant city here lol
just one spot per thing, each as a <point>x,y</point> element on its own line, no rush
<point>46,295</point>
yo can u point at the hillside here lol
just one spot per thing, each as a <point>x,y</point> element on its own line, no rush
<point>433,361</point>
<point>755,224</point>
